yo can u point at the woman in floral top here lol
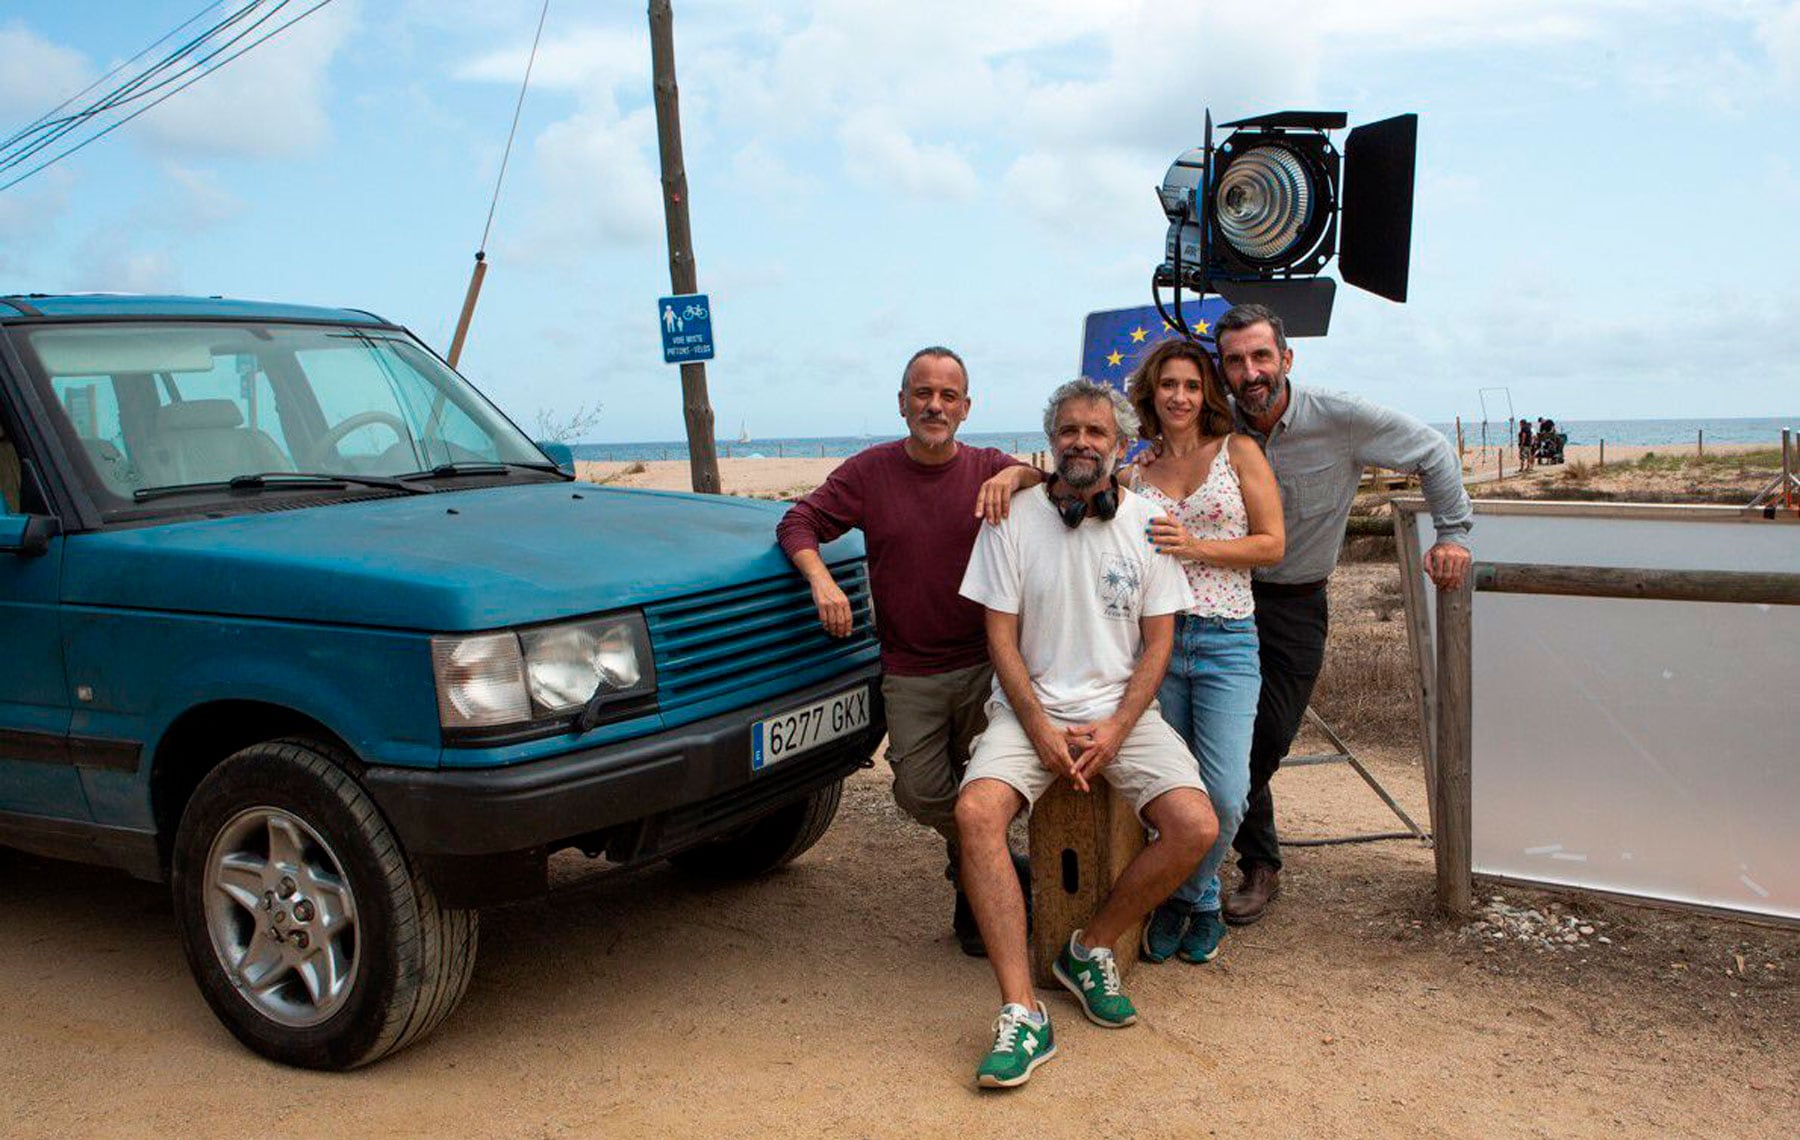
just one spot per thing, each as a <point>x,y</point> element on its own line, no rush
<point>1222,517</point>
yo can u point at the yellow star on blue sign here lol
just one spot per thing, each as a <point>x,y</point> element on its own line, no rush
<point>1114,358</point>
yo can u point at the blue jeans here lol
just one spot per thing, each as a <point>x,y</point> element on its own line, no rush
<point>1209,696</point>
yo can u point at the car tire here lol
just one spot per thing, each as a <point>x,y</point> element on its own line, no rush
<point>775,840</point>
<point>309,931</point>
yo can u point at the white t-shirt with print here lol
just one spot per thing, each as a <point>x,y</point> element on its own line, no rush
<point>1079,595</point>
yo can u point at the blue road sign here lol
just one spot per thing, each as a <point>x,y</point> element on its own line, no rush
<point>686,323</point>
<point>1114,341</point>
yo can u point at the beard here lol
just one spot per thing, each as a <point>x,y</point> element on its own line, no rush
<point>1258,401</point>
<point>1081,470</point>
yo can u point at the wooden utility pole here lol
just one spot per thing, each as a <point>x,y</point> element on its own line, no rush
<point>696,408</point>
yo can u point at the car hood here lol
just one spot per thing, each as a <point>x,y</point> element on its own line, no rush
<point>452,561</point>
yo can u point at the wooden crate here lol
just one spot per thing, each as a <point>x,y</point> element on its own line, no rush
<point>1080,842</point>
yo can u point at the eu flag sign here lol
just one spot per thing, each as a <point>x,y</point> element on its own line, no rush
<point>1115,340</point>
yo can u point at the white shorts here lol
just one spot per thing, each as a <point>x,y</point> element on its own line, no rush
<point>1152,760</point>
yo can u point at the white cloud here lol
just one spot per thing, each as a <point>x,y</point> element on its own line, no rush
<point>1779,34</point>
<point>199,201</point>
<point>271,102</point>
<point>113,261</point>
<point>39,75</point>
<point>759,168</point>
<point>1073,190</point>
<point>881,155</point>
<point>598,184</point>
<point>585,59</point>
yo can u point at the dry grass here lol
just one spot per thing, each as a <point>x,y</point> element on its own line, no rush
<point>623,473</point>
<point>1366,690</point>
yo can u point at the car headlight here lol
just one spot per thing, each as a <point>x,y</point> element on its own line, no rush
<point>480,680</point>
<point>566,666</point>
<point>492,680</point>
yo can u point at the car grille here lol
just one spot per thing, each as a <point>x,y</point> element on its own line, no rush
<point>717,649</point>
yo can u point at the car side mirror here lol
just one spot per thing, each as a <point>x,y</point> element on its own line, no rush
<point>560,454</point>
<point>27,535</point>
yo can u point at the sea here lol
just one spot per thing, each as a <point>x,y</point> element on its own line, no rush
<point>1646,433</point>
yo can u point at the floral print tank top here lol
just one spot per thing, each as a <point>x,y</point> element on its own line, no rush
<point>1214,511</point>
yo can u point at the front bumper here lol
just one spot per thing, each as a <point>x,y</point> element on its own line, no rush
<point>482,836</point>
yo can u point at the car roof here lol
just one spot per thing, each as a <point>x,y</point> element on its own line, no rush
<point>123,306</point>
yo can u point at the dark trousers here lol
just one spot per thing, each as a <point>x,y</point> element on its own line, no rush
<point>1291,631</point>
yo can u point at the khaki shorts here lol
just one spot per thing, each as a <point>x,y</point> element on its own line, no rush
<point>1152,760</point>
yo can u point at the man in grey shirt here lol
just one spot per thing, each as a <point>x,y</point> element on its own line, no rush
<point>1318,442</point>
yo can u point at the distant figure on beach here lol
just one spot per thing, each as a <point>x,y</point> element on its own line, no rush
<point>913,498</point>
<point>1318,442</point>
<point>1080,624</point>
<point>1220,516</point>
<point>1525,444</point>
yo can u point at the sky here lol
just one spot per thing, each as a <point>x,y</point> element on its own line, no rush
<point>1604,221</point>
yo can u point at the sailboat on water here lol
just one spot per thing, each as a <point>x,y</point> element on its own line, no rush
<point>743,432</point>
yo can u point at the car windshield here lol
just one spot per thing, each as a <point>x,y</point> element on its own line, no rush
<point>160,405</point>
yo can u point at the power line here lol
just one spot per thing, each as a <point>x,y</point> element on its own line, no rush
<point>135,89</point>
<point>130,92</point>
<point>41,119</point>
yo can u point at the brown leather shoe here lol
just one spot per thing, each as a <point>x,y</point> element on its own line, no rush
<point>1261,886</point>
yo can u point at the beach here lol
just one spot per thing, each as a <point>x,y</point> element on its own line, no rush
<point>789,478</point>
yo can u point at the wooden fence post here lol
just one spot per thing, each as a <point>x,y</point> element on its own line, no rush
<point>1450,801</point>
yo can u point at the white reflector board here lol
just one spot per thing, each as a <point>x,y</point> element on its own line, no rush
<point>1648,748</point>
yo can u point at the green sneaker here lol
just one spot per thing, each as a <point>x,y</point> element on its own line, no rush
<point>1162,934</point>
<point>1095,983</point>
<point>1020,1045</point>
<point>1201,942</point>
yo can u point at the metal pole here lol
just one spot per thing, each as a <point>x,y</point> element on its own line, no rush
<point>696,408</point>
<point>1451,805</point>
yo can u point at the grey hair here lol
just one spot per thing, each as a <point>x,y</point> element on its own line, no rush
<point>1240,317</point>
<point>1125,416</point>
<point>933,350</point>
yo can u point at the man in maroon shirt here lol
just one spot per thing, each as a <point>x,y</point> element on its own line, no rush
<point>919,502</point>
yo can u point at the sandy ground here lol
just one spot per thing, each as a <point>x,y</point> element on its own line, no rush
<point>830,1000</point>
<point>790,477</point>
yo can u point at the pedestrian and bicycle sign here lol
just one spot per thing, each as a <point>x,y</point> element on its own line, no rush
<point>686,328</point>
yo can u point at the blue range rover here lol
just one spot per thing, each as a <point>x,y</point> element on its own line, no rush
<point>295,620</point>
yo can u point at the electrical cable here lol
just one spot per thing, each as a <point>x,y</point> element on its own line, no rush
<point>182,87</point>
<point>123,94</point>
<point>41,119</point>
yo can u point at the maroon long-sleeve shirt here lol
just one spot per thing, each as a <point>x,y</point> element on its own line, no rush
<point>919,524</point>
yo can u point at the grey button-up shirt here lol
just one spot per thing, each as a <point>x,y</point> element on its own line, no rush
<point>1319,448</point>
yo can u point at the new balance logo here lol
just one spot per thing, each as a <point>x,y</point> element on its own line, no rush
<point>1087,981</point>
<point>1030,1046</point>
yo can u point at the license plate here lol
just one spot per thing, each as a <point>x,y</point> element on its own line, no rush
<point>799,730</point>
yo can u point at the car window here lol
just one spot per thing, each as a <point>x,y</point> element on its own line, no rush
<point>236,377</point>
<point>167,404</point>
<point>92,407</point>
<point>357,377</point>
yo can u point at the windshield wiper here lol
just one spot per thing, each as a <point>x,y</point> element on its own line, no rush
<point>278,480</point>
<point>453,470</point>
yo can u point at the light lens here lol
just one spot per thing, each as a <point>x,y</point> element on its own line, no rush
<point>1264,202</point>
<point>566,665</point>
<point>480,680</point>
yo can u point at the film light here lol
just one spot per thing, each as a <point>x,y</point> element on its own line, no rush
<point>1258,217</point>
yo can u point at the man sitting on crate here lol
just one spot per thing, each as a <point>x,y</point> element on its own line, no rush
<point>1080,624</point>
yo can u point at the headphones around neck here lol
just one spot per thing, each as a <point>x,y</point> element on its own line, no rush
<point>1074,511</point>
